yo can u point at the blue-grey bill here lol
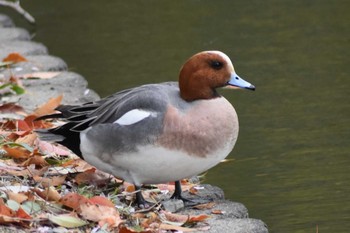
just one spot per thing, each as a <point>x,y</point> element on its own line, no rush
<point>237,81</point>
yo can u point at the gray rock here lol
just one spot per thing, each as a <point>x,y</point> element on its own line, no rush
<point>173,205</point>
<point>245,225</point>
<point>208,192</point>
<point>5,21</point>
<point>14,34</point>
<point>24,48</point>
<point>36,63</point>
<point>38,91</point>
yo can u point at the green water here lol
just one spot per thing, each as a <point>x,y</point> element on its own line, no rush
<point>291,162</point>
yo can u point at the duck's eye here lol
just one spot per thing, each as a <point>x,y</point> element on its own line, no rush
<point>216,65</point>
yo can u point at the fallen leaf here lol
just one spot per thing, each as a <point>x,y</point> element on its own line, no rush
<point>5,210</point>
<point>12,108</point>
<point>198,218</point>
<point>92,176</point>
<point>49,107</point>
<point>217,212</point>
<point>101,214</point>
<point>18,197</point>
<point>50,181</point>
<point>49,194</point>
<point>15,58</point>
<point>28,139</point>
<point>208,205</point>
<point>22,214</point>
<point>73,200</point>
<point>164,226</point>
<point>41,75</point>
<point>31,207</point>
<point>174,219</point>
<point>99,200</point>
<point>16,152</point>
<point>125,229</point>
<point>68,221</point>
<point>49,148</point>
<point>34,124</point>
<point>37,160</point>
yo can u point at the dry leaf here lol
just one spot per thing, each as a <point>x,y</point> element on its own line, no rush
<point>101,214</point>
<point>73,200</point>
<point>16,152</point>
<point>50,181</point>
<point>208,205</point>
<point>99,200</point>
<point>22,214</point>
<point>15,58</point>
<point>178,218</point>
<point>12,108</point>
<point>49,148</point>
<point>164,226</point>
<point>49,194</point>
<point>198,218</point>
<point>18,197</point>
<point>41,75</point>
<point>92,176</point>
<point>49,107</point>
<point>217,212</point>
<point>37,160</point>
<point>28,139</point>
<point>125,229</point>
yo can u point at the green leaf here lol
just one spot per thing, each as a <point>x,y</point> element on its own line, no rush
<point>19,90</point>
<point>6,63</point>
<point>13,205</point>
<point>31,207</point>
<point>67,221</point>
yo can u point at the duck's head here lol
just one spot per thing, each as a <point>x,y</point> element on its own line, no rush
<point>206,71</point>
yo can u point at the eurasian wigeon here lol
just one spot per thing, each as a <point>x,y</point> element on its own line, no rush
<point>156,133</point>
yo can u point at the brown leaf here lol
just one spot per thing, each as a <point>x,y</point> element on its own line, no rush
<point>28,139</point>
<point>18,197</point>
<point>5,210</point>
<point>49,148</point>
<point>41,75</point>
<point>50,181</point>
<point>16,152</point>
<point>22,214</point>
<point>15,58</point>
<point>49,107</point>
<point>176,217</point>
<point>12,108</point>
<point>99,200</point>
<point>91,176</point>
<point>125,229</point>
<point>49,194</point>
<point>208,205</point>
<point>217,212</point>
<point>36,160</point>
<point>33,124</point>
<point>198,218</point>
<point>164,226</point>
<point>73,200</point>
<point>101,214</point>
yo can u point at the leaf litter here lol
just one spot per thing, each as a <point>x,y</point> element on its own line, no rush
<point>44,185</point>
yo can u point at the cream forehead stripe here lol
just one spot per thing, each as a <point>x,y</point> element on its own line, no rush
<point>224,56</point>
<point>133,116</point>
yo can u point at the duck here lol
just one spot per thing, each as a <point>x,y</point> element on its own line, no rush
<point>157,133</point>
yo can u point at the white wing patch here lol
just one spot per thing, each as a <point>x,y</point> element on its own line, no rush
<point>133,116</point>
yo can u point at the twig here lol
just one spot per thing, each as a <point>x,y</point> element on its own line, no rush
<point>17,7</point>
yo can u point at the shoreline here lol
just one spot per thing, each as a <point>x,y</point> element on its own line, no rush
<point>74,88</point>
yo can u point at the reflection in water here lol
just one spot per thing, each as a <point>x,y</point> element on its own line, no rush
<point>291,163</point>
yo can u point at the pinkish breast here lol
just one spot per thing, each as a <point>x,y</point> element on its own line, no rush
<point>204,128</point>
